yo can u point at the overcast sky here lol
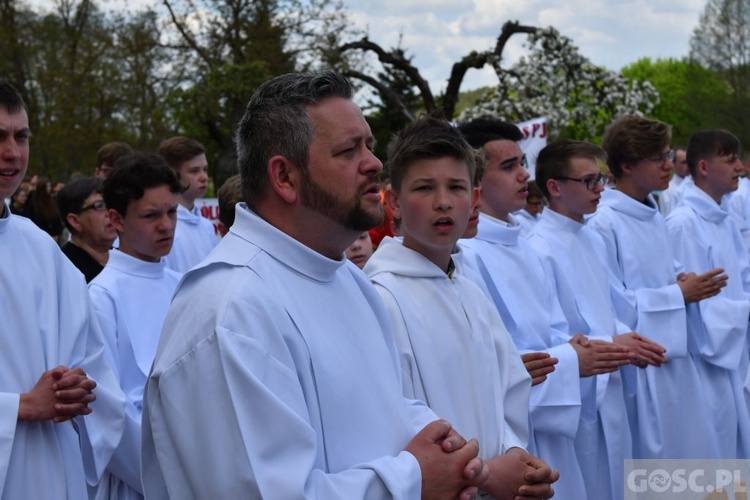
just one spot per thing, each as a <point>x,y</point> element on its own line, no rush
<point>611,33</point>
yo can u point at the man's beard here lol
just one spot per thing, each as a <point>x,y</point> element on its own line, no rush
<point>349,214</point>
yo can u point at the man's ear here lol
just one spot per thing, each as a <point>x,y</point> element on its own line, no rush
<point>476,192</point>
<point>391,198</point>
<point>116,219</point>
<point>73,222</point>
<point>553,186</point>
<point>702,168</point>
<point>284,178</point>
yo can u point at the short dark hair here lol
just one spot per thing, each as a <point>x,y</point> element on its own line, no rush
<point>230,193</point>
<point>633,138</point>
<point>706,144</point>
<point>554,160</point>
<point>134,174</point>
<point>484,129</point>
<point>178,150</point>
<point>427,138</point>
<point>71,198</point>
<point>11,99</point>
<point>277,122</point>
<point>111,152</point>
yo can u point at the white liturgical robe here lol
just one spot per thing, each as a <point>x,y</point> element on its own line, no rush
<point>705,237</point>
<point>194,238</point>
<point>455,352</point>
<point>575,254</point>
<point>276,376</point>
<point>667,406</point>
<point>738,204</point>
<point>48,321</point>
<point>131,298</point>
<point>670,198</point>
<point>525,298</point>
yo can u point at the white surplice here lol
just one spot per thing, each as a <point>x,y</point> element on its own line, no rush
<point>666,405</point>
<point>276,376</point>
<point>705,237</point>
<point>525,298</point>
<point>131,298</point>
<point>526,221</point>
<point>670,198</point>
<point>575,255</point>
<point>738,204</point>
<point>48,321</point>
<point>194,238</point>
<point>455,352</point>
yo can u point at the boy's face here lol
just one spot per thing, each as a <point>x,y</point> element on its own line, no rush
<point>14,150</point>
<point>194,177</point>
<point>534,205</point>
<point>504,188</point>
<point>722,174</point>
<point>434,204</point>
<point>361,250</point>
<point>147,230</point>
<point>652,173</point>
<point>572,199</point>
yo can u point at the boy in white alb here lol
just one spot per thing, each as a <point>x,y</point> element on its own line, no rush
<point>667,407</point>
<point>58,428</point>
<point>524,295</point>
<point>569,175</point>
<point>132,294</point>
<point>195,236</point>
<point>704,236</point>
<point>455,352</point>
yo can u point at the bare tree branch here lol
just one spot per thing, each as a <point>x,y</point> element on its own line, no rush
<point>398,62</point>
<point>187,36</point>
<point>384,90</point>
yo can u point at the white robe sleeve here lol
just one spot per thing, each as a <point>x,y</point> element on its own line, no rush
<point>719,324</point>
<point>9,404</point>
<point>126,459</point>
<point>658,311</point>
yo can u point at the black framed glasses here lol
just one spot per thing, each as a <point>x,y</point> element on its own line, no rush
<point>97,206</point>
<point>669,155</point>
<point>590,182</point>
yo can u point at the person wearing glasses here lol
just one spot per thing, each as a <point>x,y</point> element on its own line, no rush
<point>569,174</point>
<point>91,232</point>
<point>132,294</point>
<point>523,292</point>
<point>704,236</point>
<point>667,407</point>
<point>670,198</point>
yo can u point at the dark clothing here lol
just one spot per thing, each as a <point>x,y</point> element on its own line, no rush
<point>82,260</point>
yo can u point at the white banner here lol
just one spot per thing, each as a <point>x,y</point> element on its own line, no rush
<point>535,138</point>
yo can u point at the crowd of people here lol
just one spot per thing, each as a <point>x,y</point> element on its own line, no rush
<point>490,336</point>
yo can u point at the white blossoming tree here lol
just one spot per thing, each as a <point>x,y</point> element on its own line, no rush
<point>554,80</point>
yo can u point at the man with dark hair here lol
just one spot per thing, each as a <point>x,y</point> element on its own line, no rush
<point>132,294</point>
<point>51,344</point>
<point>704,236</point>
<point>276,375</point>
<point>91,233</point>
<point>195,236</point>
<point>107,156</point>
<point>667,404</point>
<point>528,304</point>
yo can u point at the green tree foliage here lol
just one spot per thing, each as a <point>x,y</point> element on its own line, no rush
<point>721,43</point>
<point>691,96</point>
